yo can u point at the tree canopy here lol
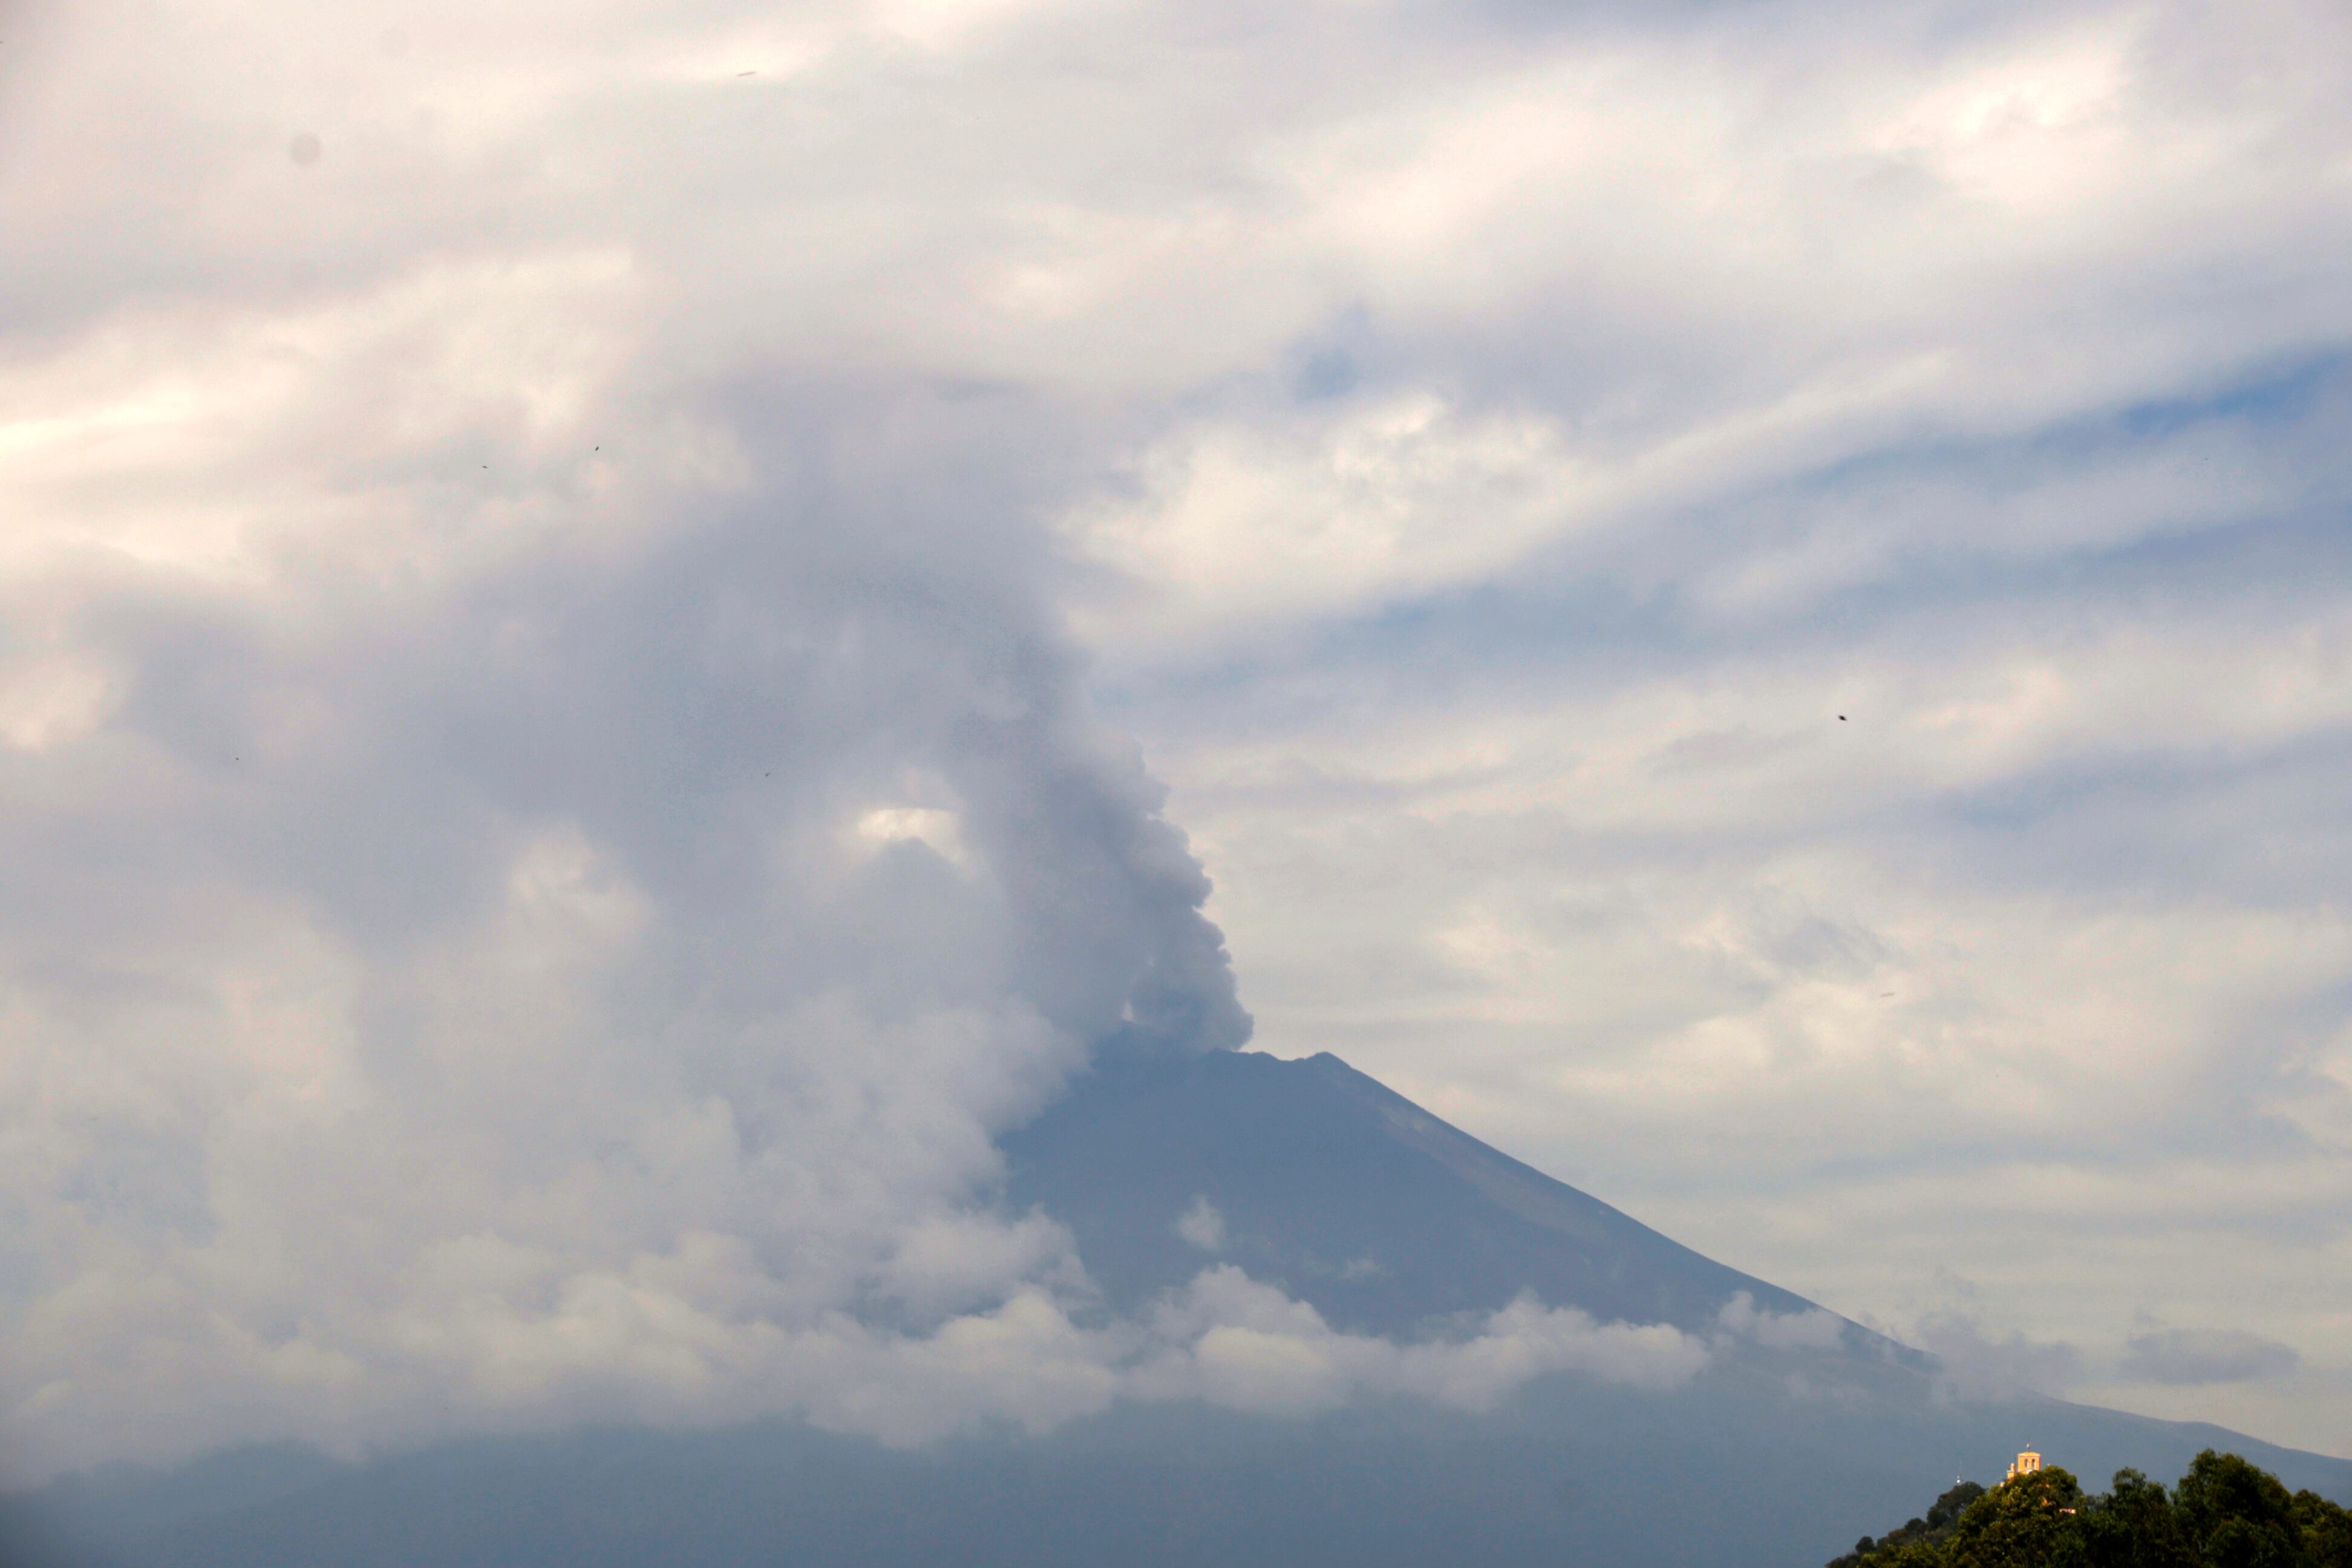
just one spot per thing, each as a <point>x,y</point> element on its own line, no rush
<point>2224,1513</point>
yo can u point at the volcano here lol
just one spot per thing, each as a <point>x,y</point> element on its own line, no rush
<point>1346,1194</point>
<point>1304,1175</point>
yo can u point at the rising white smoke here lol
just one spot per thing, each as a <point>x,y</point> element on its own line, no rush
<point>527,956</point>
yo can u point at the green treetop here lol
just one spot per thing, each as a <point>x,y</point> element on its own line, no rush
<point>2225,1513</point>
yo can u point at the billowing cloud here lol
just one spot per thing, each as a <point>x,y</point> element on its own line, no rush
<point>494,959</point>
<point>1238,1343</point>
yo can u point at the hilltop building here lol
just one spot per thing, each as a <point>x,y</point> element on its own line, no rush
<point>2025,1464</point>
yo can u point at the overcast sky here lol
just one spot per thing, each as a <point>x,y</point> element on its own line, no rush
<point>625,629</point>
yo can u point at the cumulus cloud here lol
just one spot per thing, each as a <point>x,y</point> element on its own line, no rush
<point>1234,1342</point>
<point>1224,1340</point>
<point>1202,1225</point>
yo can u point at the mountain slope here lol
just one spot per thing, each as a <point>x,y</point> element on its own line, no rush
<point>1342,1191</point>
<point>1311,1167</point>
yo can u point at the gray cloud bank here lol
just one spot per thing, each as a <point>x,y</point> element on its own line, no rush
<point>1975,1366</point>
<point>2207,1355</point>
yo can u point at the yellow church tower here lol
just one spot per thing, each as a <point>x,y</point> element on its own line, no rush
<point>2025,1464</point>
